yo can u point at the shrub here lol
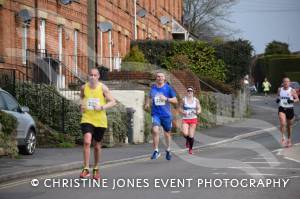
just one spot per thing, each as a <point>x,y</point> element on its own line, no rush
<point>179,61</point>
<point>135,55</point>
<point>208,110</point>
<point>8,123</point>
<point>118,121</point>
<point>8,140</point>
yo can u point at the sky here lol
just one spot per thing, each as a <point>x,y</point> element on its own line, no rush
<point>262,21</point>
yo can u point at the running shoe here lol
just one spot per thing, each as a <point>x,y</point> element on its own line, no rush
<point>96,174</point>
<point>84,173</point>
<point>155,155</point>
<point>168,155</point>
<point>191,151</point>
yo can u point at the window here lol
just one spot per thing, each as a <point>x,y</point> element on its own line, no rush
<point>76,51</point>
<point>42,45</point>
<point>60,45</point>
<point>11,104</point>
<point>24,43</point>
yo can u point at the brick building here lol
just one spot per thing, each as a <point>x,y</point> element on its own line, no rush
<point>82,33</point>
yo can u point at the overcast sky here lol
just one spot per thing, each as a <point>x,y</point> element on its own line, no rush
<point>262,21</point>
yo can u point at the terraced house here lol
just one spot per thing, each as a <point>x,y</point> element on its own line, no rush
<point>57,39</point>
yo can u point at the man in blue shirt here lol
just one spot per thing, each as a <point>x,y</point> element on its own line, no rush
<point>161,96</point>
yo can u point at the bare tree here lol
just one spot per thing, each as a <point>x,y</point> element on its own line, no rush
<point>204,18</point>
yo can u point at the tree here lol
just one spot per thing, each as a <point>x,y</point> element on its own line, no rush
<point>277,47</point>
<point>203,17</point>
<point>237,56</point>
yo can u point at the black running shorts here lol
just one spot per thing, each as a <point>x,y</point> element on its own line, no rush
<point>97,132</point>
<point>289,112</point>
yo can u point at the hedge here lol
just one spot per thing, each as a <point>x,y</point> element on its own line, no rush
<point>294,76</point>
<point>8,140</point>
<point>201,56</point>
<point>275,67</point>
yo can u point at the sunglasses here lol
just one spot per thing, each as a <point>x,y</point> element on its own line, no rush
<point>190,91</point>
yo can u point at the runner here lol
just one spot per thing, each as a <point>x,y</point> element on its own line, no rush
<point>286,98</point>
<point>266,87</point>
<point>161,96</point>
<point>95,99</point>
<point>190,108</point>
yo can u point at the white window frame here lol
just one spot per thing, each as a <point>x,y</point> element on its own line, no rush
<point>42,45</point>
<point>75,58</point>
<point>24,43</point>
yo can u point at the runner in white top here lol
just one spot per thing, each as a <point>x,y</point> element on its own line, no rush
<point>190,108</point>
<point>286,98</point>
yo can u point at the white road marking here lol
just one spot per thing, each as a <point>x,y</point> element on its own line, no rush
<point>264,162</point>
<point>262,158</point>
<point>220,173</point>
<point>288,158</point>
<point>175,192</point>
<point>270,168</point>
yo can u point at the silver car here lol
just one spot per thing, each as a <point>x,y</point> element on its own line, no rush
<point>26,129</point>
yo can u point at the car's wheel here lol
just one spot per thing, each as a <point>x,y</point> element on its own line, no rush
<point>30,143</point>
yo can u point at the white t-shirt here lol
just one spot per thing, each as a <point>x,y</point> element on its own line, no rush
<point>284,95</point>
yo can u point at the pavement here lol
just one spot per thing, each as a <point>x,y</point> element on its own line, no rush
<point>56,160</point>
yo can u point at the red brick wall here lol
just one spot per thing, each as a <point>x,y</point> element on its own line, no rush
<point>186,78</point>
<point>12,34</point>
<point>119,12</point>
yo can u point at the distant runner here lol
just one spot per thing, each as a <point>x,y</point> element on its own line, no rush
<point>266,87</point>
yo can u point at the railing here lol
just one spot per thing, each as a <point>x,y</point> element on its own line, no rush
<point>52,70</point>
<point>44,102</point>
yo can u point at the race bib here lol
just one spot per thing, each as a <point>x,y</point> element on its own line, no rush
<point>189,112</point>
<point>284,102</point>
<point>158,101</point>
<point>92,102</point>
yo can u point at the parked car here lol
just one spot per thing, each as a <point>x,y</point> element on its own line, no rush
<point>296,86</point>
<point>26,129</point>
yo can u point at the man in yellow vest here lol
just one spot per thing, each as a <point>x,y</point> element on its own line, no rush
<point>95,99</point>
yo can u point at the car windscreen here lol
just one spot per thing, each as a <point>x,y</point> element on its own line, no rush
<point>10,102</point>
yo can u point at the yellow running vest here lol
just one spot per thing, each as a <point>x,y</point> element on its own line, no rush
<point>93,97</point>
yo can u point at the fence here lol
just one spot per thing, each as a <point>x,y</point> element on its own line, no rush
<point>50,69</point>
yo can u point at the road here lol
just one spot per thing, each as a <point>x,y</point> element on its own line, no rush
<point>240,167</point>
